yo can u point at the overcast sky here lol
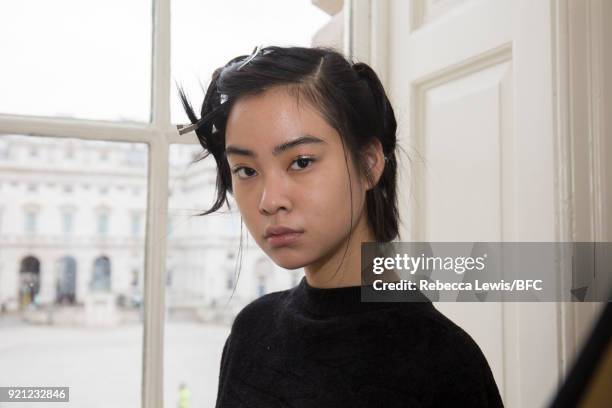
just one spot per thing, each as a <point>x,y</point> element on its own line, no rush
<point>91,58</point>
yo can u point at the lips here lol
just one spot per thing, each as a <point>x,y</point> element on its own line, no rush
<point>280,235</point>
<point>279,230</point>
<point>283,239</point>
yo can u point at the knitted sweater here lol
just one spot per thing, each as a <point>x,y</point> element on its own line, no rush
<point>313,347</point>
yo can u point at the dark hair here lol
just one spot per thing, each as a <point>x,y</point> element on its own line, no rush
<point>349,95</point>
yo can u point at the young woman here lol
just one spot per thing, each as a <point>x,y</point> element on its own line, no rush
<point>305,141</point>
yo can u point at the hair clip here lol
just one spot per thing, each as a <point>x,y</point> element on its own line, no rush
<point>182,129</point>
<point>249,59</point>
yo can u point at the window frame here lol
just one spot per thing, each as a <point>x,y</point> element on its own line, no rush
<point>158,134</point>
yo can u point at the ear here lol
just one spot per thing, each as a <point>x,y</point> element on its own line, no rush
<point>375,163</point>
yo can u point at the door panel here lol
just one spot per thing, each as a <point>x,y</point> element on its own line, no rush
<point>471,82</point>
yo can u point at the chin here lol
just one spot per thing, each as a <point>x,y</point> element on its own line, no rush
<point>287,260</point>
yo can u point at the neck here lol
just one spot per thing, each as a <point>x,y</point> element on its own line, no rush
<point>341,269</point>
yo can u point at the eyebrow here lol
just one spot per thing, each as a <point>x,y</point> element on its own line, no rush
<point>307,139</point>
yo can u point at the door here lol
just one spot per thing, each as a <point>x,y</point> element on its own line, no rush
<point>66,281</point>
<point>472,85</point>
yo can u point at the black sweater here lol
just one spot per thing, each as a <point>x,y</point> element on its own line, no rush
<point>312,347</point>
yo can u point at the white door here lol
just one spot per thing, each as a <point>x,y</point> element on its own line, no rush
<point>472,85</point>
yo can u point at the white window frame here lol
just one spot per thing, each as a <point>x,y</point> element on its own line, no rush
<point>158,134</point>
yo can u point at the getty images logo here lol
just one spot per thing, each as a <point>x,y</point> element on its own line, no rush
<point>412,264</point>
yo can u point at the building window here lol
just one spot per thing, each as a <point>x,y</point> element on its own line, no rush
<point>65,286</point>
<point>31,219</point>
<point>101,278</point>
<point>29,280</point>
<point>135,225</point>
<point>67,222</point>
<point>103,224</point>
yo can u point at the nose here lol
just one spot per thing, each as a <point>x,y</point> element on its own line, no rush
<point>274,196</point>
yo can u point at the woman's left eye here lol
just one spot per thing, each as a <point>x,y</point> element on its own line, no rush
<point>303,162</point>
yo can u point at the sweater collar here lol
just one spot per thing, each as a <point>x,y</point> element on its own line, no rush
<point>347,299</point>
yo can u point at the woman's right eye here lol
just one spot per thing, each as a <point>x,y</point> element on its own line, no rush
<point>248,172</point>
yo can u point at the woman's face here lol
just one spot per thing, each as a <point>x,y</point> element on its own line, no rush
<point>289,169</point>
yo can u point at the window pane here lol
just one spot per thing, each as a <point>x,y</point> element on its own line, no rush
<point>73,58</point>
<point>71,299</point>
<point>202,267</point>
<point>207,34</point>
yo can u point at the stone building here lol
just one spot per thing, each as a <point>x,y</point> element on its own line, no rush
<point>72,228</point>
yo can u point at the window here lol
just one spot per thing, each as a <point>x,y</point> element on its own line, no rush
<point>65,292</point>
<point>135,225</point>
<point>108,78</point>
<point>103,95</point>
<point>29,281</point>
<point>83,281</point>
<point>103,224</point>
<point>67,221</point>
<point>101,279</point>
<point>31,221</point>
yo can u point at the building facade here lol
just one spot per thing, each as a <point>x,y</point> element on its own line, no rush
<point>72,229</point>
